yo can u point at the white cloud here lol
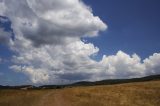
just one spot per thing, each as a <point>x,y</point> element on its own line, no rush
<point>49,49</point>
<point>152,64</point>
<point>2,7</point>
<point>52,21</point>
<point>16,68</point>
<point>123,65</point>
<point>72,62</point>
<point>35,75</point>
<point>54,61</point>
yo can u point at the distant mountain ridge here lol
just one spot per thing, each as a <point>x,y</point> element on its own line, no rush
<point>86,83</point>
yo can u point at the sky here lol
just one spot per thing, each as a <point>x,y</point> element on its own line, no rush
<point>59,42</point>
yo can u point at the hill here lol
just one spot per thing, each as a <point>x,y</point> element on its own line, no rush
<point>86,83</point>
<point>118,81</point>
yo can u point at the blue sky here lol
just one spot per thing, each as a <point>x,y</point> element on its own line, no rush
<point>133,27</point>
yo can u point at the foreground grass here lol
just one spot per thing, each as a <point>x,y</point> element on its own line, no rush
<point>132,94</point>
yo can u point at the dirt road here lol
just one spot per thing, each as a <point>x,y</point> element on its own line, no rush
<point>53,98</point>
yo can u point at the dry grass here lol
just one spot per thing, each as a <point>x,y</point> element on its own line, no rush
<point>20,97</point>
<point>133,94</point>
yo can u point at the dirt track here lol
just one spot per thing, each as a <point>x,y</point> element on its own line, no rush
<point>55,98</point>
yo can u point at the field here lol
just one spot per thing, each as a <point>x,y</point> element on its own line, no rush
<point>130,94</point>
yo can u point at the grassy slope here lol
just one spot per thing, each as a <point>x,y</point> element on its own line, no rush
<point>131,94</point>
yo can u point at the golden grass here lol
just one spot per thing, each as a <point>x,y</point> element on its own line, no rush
<point>131,94</point>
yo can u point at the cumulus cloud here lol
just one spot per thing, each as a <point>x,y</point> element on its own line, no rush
<point>52,21</point>
<point>48,46</point>
<point>123,65</point>
<point>152,64</point>
<point>44,65</point>
<point>2,6</point>
<point>54,61</point>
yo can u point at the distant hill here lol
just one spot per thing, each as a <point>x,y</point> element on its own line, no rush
<point>86,83</point>
<point>18,87</point>
<point>117,81</point>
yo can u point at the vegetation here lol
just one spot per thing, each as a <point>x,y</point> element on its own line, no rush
<point>129,94</point>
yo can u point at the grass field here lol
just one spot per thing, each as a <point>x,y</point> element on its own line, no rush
<point>131,94</point>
